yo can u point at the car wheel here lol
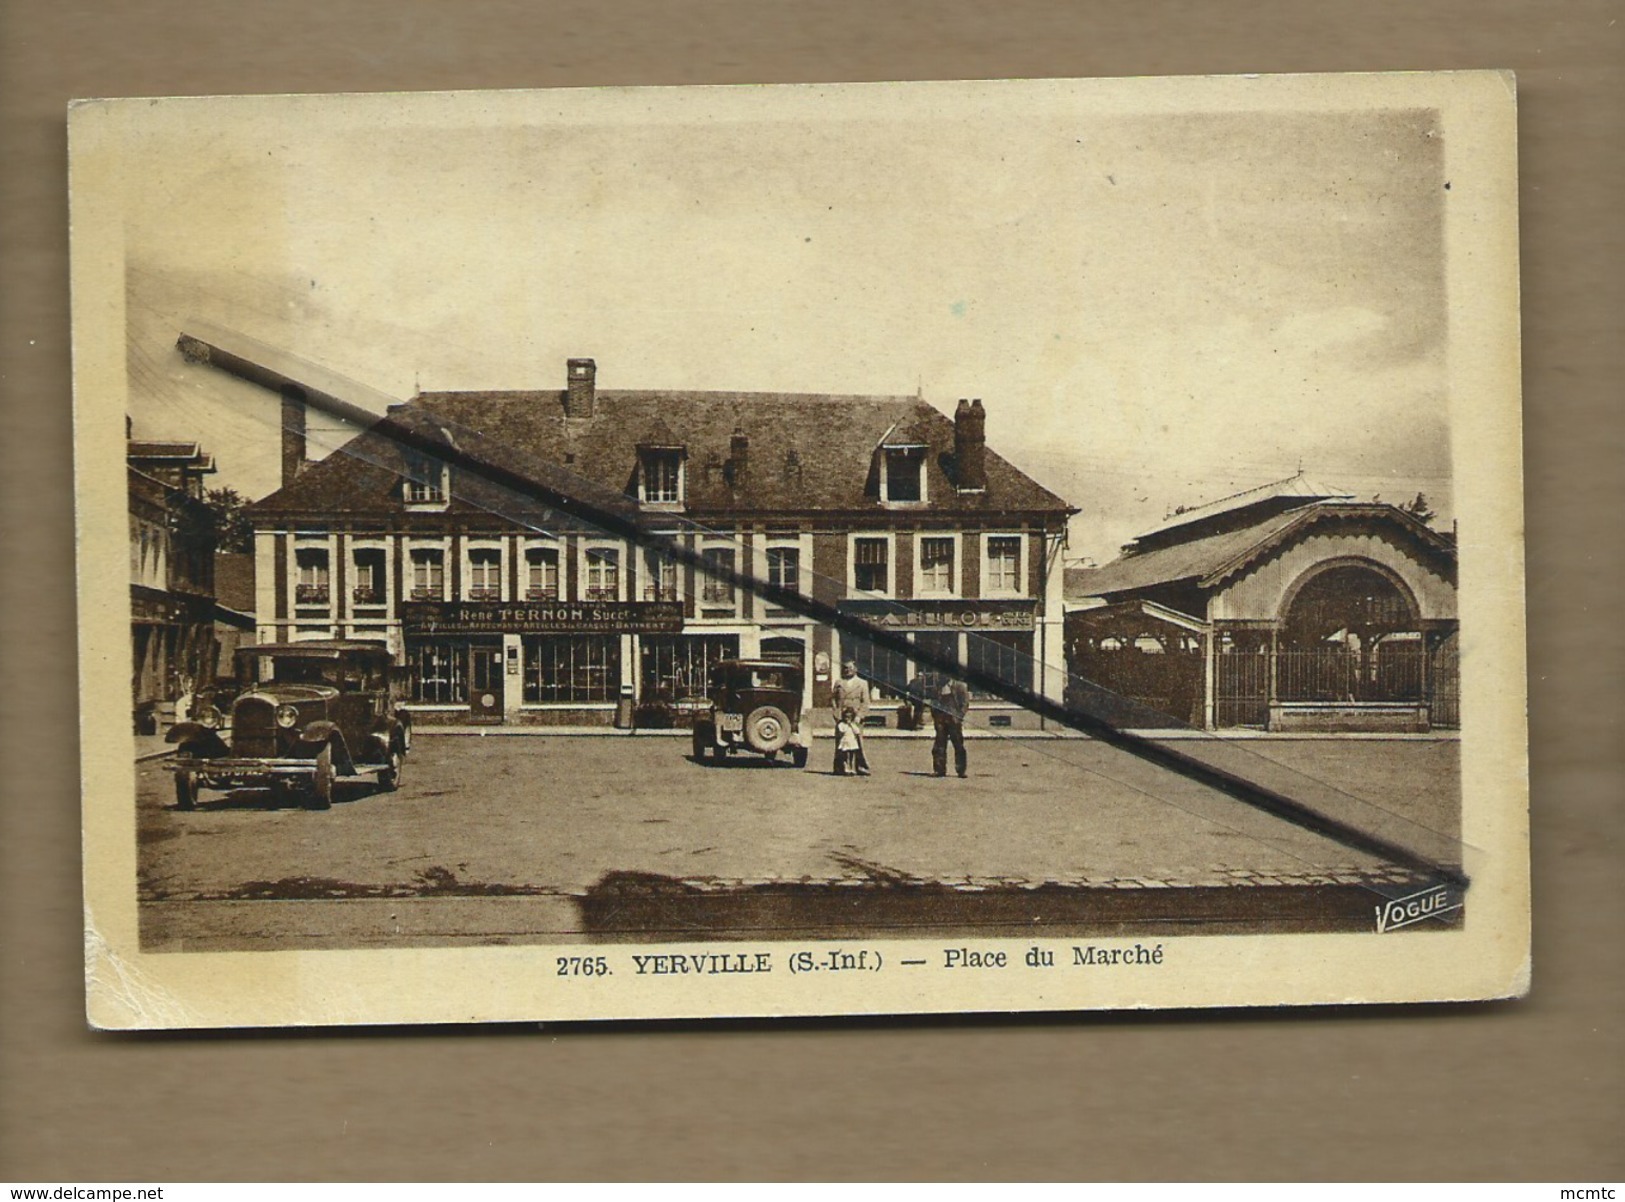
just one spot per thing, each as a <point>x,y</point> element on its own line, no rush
<point>389,779</point>
<point>767,728</point>
<point>321,784</point>
<point>702,740</point>
<point>798,757</point>
<point>185,790</point>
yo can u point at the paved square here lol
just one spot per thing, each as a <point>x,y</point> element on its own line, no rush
<point>517,817</point>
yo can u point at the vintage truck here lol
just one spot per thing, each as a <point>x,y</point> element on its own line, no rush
<point>752,705</point>
<point>304,715</point>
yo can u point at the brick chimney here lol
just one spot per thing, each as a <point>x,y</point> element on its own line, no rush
<point>970,446</point>
<point>738,457</point>
<point>293,434</point>
<point>583,379</point>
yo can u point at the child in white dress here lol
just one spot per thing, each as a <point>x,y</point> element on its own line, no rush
<point>847,743</point>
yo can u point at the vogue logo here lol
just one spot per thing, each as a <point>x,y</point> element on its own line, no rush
<point>1432,902</point>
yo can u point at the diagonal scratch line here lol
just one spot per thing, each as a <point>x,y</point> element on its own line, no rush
<point>613,512</point>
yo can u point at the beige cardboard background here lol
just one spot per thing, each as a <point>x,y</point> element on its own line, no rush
<point>1520,1090</point>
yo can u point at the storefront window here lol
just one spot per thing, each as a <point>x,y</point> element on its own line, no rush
<point>572,669</point>
<point>1007,656</point>
<point>678,666</point>
<point>438,672</point>
<point>942,642</point>
<point>888,672</point>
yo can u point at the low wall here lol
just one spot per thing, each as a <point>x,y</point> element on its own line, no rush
<point>1340,717</point>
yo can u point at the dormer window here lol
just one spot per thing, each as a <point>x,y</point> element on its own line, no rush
<point>902,475</point>
<point>660,475</point>
<point>426,482</point>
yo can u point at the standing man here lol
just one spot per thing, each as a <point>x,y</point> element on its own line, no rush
<point>850,692</point>
<point>948,712</point>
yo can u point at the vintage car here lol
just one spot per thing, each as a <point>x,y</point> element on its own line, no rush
<point>753,705</point>
<point>304,714</point>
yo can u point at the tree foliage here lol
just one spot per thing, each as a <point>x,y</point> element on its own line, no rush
<point>232,531</point>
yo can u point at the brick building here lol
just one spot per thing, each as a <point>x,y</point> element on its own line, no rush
<point>509,610</point>
<point>172,604</point>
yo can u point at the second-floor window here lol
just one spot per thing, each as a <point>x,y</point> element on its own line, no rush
<point>147,561</point>
<point>784,567</point>
<point>428,574</point>
<point>718,588</point>
<point>662,476</point>
<point>368,587</point>
<point>1003,563</point>
<point>312,586</point>
<point>485,574</point>
<point>603,575</point>
<point>542,574</point>
<point>660,577</point>
<point>871,565</point>
<point>937,573</point>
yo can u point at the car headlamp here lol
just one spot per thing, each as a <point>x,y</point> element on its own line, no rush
<point>286,715</point>
<point>207,716</point>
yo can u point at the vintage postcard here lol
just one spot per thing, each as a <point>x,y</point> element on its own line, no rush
<point>890,548</point>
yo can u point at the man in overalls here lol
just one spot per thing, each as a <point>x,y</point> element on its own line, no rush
<point>948,710</point>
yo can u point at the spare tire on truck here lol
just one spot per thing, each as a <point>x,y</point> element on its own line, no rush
<point>767,728</point>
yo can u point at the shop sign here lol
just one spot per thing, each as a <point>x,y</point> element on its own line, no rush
<point>547,617</point>
<point>944,615</point>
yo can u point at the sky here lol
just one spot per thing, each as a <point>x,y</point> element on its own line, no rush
<point>1156,308</point>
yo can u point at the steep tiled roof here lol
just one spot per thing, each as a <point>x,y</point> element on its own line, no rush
<point>1209,561</point>
<point>1298,487</point>
<point>807,452</point>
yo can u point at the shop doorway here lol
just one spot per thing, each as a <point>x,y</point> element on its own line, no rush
<point>485,681</point>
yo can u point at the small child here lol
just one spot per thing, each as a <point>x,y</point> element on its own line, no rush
<point>846,743</point>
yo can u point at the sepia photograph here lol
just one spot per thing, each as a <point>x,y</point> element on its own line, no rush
<point>774,550</point>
